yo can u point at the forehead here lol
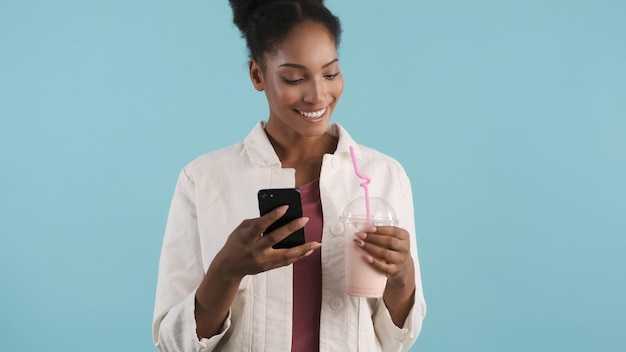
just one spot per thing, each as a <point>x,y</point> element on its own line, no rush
<point>309,44</point>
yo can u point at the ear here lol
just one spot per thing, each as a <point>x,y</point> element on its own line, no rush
<point>256,75</point>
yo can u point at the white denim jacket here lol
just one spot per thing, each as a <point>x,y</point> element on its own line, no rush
<point>216,192</point>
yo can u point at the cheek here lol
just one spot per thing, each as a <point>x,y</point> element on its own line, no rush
<point>286,95</point>
<point>337,87</point>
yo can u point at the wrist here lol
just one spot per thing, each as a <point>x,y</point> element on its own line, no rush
<point>216,278</point>
<point>220,270</point>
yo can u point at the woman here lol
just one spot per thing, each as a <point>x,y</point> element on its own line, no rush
<point>221,286</point>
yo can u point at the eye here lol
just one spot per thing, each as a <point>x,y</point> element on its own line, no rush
<point>331,76</point>
<point>293,81</point>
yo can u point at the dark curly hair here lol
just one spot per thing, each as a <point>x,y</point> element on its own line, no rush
<point>265,23</point>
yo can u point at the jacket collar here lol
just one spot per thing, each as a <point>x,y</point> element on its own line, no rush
<point>258,147</point>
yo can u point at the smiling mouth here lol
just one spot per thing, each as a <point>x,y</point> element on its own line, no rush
<point>312,114</point>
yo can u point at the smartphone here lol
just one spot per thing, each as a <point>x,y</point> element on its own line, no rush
<point>270,199</point>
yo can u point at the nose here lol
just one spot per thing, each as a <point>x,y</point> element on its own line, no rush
<point>315,92</point>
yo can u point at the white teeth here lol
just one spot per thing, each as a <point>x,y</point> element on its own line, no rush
<point>312,115</point>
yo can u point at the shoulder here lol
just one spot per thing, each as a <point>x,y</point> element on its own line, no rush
<point>367,154</point>
<point>367,157</point>
<point>220,159</point>
<point>373,155</point>
<point>383,166</point>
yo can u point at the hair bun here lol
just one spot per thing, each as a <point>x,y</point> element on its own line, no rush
<point>244,10</point>
<point>264,23</point>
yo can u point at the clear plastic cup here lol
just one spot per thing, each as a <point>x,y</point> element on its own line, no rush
<point>361,278</point>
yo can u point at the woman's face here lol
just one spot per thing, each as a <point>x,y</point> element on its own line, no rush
<point>302,82</point>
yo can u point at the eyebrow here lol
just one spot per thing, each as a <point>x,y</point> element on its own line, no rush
<point>302,67</point>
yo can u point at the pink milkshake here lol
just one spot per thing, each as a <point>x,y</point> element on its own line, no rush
<point>361,278</point>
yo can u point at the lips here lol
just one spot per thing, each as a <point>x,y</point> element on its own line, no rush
<point>312,114</point>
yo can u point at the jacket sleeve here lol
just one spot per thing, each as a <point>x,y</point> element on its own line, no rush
<point>180,274</point>
<point>391,337</point>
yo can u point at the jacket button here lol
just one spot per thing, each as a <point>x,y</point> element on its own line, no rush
<point>336,304</point>
<point>337,229</point>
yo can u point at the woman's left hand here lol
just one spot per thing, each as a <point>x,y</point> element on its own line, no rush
<point>387,248</point>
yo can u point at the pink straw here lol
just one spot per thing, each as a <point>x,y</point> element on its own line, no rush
<point>364,185</point>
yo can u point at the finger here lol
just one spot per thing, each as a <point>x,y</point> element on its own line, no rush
<point>269,218</point>
<point>386,268</point>
<point>388,237</point>
<point>384,241</point>
<point>381,253</point>
<point>390,231</point>
<point>284,231</point>
<point>286,256</point>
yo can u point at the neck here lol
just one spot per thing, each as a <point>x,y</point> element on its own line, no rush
<point>304,154</point>
<point>303,148</point>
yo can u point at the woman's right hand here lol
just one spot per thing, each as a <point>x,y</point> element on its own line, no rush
<point>247,251</point>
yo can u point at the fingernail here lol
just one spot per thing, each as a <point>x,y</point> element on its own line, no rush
<point>369,228</point>
<point>358,242</point>
<point>282,209</point>
<point>361,235</point>
<point>308,253</point>
<point>303,221</point>
<point>369,259</point>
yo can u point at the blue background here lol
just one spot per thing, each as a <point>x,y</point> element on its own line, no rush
<point>509,116</point>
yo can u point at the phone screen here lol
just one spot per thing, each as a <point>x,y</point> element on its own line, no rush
<point>270,199</point>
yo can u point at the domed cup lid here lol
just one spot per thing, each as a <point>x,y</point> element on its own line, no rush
<point>381,212</point>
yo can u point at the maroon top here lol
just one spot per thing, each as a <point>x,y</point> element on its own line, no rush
<point>307,277</point>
